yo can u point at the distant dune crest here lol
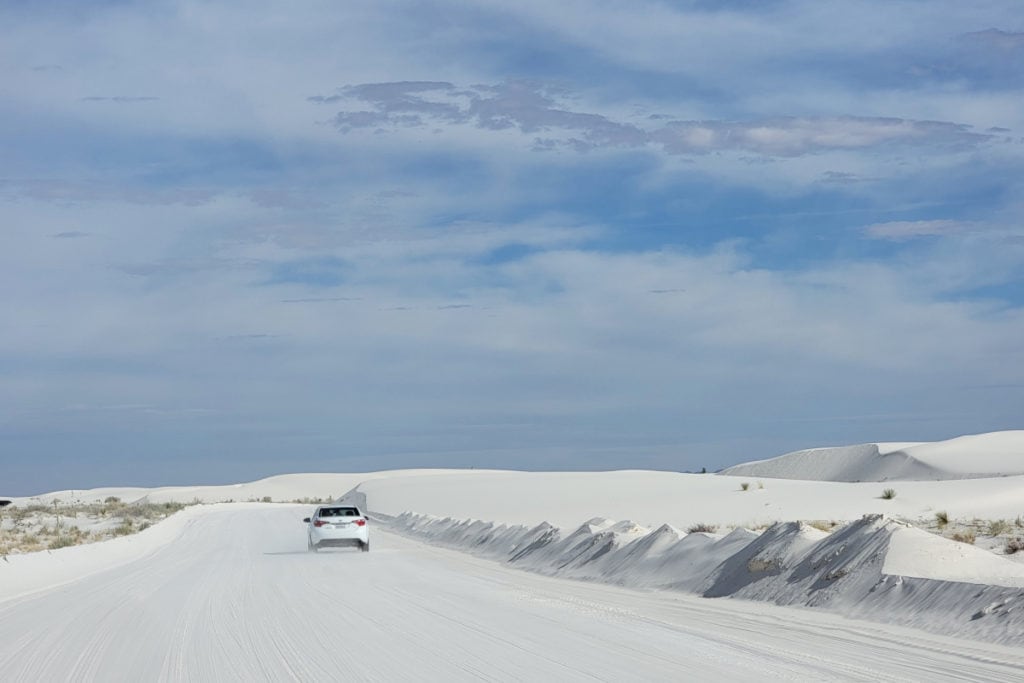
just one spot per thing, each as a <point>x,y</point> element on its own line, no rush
<point>977,456</point>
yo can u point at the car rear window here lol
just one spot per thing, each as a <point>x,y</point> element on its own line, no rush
<point>338,512</point>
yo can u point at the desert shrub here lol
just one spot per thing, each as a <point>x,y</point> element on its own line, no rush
<point>745,485</point>
<point>267,499</point>
<point>110,500</point>
<point>888,494</point>
<point>1014,545</point>
<point>942,518</point>
<point>966,536</point>
<point>149,510</point>
<point>997,527</point>
<point>702,528</point>
<point>126,527</point>
<point>62,541</point>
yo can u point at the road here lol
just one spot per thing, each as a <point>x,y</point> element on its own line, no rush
<point>237,598</point>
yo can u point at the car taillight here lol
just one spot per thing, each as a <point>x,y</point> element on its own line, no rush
<point>319,522</point>
<point>360,522</point>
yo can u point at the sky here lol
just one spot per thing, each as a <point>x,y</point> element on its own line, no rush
<point>240,239</point>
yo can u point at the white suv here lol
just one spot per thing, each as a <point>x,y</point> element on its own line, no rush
<point>337,525</point>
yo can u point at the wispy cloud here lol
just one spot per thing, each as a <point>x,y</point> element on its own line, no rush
<point>900,231</point>
<point>321,300</point>
<point>997,38</point>
<point>121,99</point>
<point>89,190</point>
<point>792,136</point>
<point>534,110</point>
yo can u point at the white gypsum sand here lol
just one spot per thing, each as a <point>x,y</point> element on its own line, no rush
<point>630,528</point>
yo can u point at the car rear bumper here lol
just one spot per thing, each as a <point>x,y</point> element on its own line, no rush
<point>352,534</point>
<point>340,543</point>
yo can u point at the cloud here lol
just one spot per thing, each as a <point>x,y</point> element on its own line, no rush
<point>320,299</point>
<point>178,267</point>
<point>654,235</point>
<point>318,271</point>
<point>536,110</point>
<point>843,178</point>
<point>796,136</point>
<point>527,107</point>
<point>901,231</point>
<point>997,38</point>
<point>121,99</point>
<point>72,191</point>
<point>248,337</point>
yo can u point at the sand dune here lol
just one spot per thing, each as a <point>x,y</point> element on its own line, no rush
<point>631,528</point>
<point>977,456</point>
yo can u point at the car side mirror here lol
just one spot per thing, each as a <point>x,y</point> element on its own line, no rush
<point>306,520</point>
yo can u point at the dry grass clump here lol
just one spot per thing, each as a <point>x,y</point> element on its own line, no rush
<point>1014,545</point>
<point>998,527</point>
<point>823,525</point>
<point>702,529</point>
<point>942,518</point>
<point>965,536</point>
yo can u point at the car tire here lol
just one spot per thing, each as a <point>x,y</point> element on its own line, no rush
<point>310,546</point>
<point>365,547</point>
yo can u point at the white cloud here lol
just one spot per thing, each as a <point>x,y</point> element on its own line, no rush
<point>899,231</point>
<point>508,243</point>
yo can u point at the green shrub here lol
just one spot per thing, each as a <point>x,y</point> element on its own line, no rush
<point>942,518</point>
<point>745,486</point>
<point>888,494</point>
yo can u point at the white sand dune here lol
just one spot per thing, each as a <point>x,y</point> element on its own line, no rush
<point>232,595</point>
<point>629,528</point>
<point>967,457</point>
<point>281,488</point>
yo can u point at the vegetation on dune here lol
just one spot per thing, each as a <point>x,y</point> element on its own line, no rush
<point>34,527</point>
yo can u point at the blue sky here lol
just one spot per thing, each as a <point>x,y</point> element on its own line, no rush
<point>242,239</point>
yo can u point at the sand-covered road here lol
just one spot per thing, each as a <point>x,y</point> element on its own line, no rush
<point>236,597</point>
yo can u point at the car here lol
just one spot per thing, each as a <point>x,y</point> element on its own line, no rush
<point>333,526</point>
